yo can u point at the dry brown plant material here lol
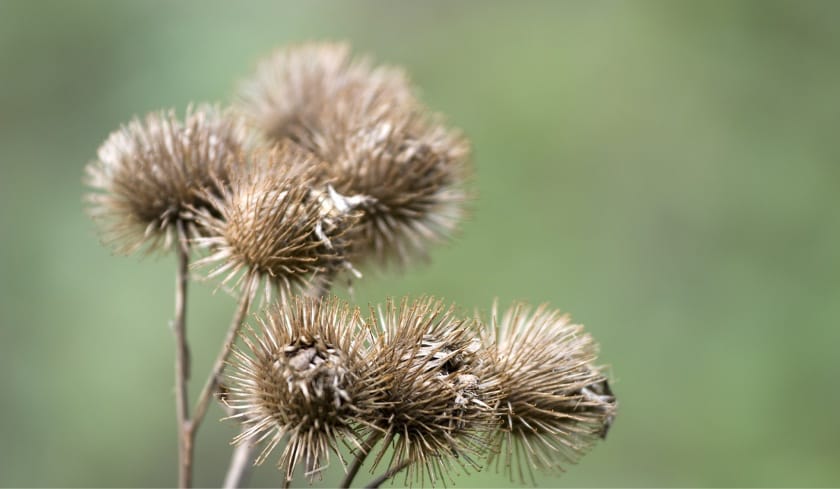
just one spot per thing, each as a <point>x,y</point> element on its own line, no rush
<point>291,88</point>
<point>415,172</point>
<point>297,380</point>
<point>277,222</point>
<point>435,395</point>
<point>555,402</point>
<point>148,173</point>
<point>377,139</point>
<point>346,166</point>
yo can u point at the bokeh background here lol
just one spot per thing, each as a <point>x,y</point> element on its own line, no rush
<point>668,172</point>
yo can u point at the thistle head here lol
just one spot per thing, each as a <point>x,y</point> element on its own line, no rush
<point>287,96</point>
<point>297,380</point>
<point>415,172</point>
<point>277,221</point>
<point>555,403</point>
<point>378,141</point>
<point>435,395</point>
<point>148,174</point>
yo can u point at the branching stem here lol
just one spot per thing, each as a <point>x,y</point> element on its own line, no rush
<point>367,446</point>
<point>387,475</point>
<point>212,383</point>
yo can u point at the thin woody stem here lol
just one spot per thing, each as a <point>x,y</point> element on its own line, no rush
<point>367,446</point>
<point>182,362</point>
<point>387,475</point>
<point>212,383</point>
<point>240,461</point>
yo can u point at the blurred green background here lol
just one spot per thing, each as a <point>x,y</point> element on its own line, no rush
<point>668,172</point>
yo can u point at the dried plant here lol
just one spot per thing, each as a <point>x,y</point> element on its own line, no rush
<point>297,380</point>
<point>435,394</point>
<point>287,96</point>
<point>377,139</point>
<point>555,402</point>
<point>276,221</point>
<point>148,174</point>
<point>415,172</point>
<point>334,162</point>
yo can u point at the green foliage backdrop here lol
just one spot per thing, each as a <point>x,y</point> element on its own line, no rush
<point>668,172</point>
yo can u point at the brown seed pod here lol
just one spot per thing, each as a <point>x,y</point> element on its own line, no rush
<point>277,222</point>
<point>378,140</point>
<point>287,95</point>
<point>296,379</point>
<point>414,171</point>
<point>148,172</point>
<point>435,395</point>
<point>555,403</point>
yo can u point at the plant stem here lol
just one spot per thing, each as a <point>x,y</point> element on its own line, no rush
<point>240,461</point>
<point>387,475</point>
<point>367,446</point>
<point>212,382</point>
<point>182,363</point>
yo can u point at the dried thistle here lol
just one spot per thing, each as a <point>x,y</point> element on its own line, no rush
<point>379,141</point>
<point>291,88</point>
<point>414,171</point>
<point>435,395</point>
<point>277,221</point>
<point>297,379</point>
<point>555,403</point>
<point>148,173</point>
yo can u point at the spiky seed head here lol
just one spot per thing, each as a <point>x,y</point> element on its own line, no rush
<point>148,172</point>
<point>435,396</point>
<point>288,93</point>
<point>276,221</point>
<point>380,142</point>
<point>415,172</point>
<point>296,379</point>
<point>555,402</point>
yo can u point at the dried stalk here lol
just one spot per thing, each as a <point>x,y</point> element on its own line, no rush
<point>212,383</point>
<point>182,363</point>
<point>240,462</point>
<point>387,475</point>
<point>367,446</point>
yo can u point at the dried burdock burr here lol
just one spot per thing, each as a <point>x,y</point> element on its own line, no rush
<point>435,393</point>
<point>328,161</point>
<point>414,171</point>
<point>287,95</point>
<point>297,380</point>
<point>148,173</point>
<point>377,138</point>
<point>555,402</point>
<point>277,221</point>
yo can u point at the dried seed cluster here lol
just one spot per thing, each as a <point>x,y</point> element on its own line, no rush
<point>277,221</point>
<point>556,403</point>
<point>149,172</point>
<point>325,162</point>
<point>436,387</point>
<point>298,379</point>
<point>377,139</point>
<point>333,161</point>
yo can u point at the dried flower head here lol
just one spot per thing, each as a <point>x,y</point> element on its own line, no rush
<point>555,403</point>
<point>291,88</point>
<point>414,171</point>
<point>277,221</point>
<point>378,140</point>
<point>148,174</point>
<point>435,395</point>
<point>296,380</point>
